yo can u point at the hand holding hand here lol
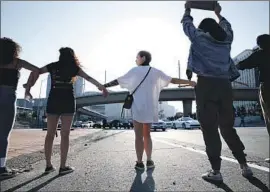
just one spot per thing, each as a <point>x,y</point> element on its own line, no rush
<point>192,83</point>
<point>104,90</point>
<point>28,96</point>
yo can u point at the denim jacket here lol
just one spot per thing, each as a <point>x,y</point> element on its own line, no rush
<point>207,56</point>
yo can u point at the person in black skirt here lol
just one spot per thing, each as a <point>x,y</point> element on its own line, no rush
<point>61,103</point>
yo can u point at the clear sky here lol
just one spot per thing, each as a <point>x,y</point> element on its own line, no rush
<point>107,35</point>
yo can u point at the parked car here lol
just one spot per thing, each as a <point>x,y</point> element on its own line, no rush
<point>125,124</point>
<point>122,123</point>
<point>77,124</point>
<point>97,124</point>
<point>114,124</point>
<point>160,125</point>
<point>88,124</point>
<point>186,123</point>
<point>131,123</point>
<point>169,124</point>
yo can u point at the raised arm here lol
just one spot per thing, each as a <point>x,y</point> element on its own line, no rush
<point>226,26</point>
<point>187,22</point>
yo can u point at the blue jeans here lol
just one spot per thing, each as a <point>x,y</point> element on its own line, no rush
<point>7,116</point>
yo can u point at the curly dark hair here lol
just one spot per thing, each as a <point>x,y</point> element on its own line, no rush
<point>69,61</point>
<point>9,50</point>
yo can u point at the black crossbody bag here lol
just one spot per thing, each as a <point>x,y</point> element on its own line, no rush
<point>129,99</point>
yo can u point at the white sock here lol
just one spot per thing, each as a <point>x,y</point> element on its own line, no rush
<point>2,162</point>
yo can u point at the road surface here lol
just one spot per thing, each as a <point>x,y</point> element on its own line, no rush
<point>107,164</point>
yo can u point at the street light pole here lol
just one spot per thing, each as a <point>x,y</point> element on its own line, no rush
<point>38,112</point>
<point>179,72</point>
<point>105,76</point>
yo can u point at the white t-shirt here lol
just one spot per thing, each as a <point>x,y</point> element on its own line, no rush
<point>145,105</point>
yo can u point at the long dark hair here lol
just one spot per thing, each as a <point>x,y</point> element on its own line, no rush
<point>148,57</point>
<point>68,62</point>
<point>263,41</point>
<point>211,26</point>
<point>9,50</point>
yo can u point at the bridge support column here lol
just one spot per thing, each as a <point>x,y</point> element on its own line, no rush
<point>77,116</point>
<point>187,107</point>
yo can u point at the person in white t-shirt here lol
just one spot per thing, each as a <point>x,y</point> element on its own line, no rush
<point>145,104</point>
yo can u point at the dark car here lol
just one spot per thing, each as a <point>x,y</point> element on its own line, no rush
<point>114,124</point>
<point>97,125</point>
<point>119,124</point>
<point>125,124</point>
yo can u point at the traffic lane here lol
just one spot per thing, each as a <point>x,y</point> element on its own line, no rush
<point>256,141</point>
<point>108,165</point>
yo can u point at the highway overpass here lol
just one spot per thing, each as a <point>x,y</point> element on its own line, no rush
<point>187,95</point>
<point>91,113</point>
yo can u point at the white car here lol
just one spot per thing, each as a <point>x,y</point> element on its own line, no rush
<point>186,123</point>
<point>160,125</point>
<point>88,124</point>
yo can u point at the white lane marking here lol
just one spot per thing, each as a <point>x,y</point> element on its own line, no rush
<point>204,153</point>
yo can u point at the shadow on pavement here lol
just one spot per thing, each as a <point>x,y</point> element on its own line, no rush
<point>44,184</point>
<point>221,185</point>
<point>25,183</point>
<point>259,184</point>
<point>147,185</point>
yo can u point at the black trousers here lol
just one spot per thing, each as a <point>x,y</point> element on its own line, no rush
<point>215,109</point>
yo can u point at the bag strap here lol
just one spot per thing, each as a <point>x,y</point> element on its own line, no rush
<point>141,81</point>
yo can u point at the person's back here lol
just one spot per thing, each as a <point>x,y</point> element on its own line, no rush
<point>210,48</point>
<point>210,59</point>
<point>212,56</point>
<point>61,81</point>
<point>147,95</point>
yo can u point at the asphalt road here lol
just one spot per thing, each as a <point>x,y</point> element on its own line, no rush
<point>107,164</point>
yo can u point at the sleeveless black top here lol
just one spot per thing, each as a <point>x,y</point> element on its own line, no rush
<point>61,79</point>
<point>9,77</point>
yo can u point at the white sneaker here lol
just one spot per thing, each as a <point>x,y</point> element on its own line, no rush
<point>212,176</point>
<point>246,171</point>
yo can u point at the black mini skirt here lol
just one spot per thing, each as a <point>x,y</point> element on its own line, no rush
<point>61,102</point>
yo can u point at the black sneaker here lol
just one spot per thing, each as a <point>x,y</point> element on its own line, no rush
<point>139,166</point>
<point>150,164</point>
<point>6,173</point>
<point>49,170</point>
<point>65,170</point>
